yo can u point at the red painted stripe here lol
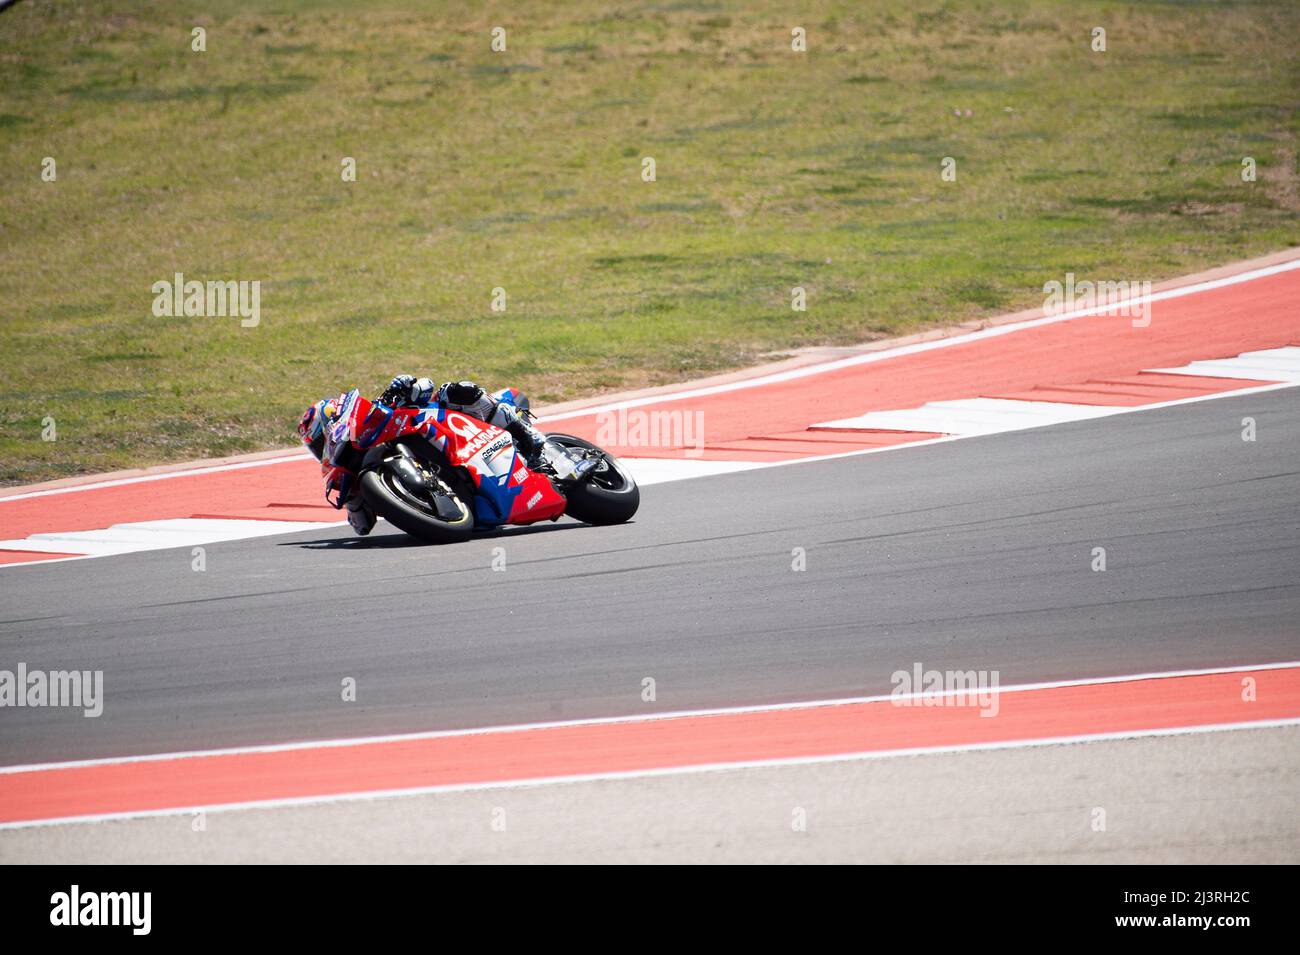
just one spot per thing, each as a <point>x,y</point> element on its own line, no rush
<point>1159,383</point>
<point>326,516</point>
<point>1137,390</point>
<point>1079,397</point>
<point>784,449</point>
<point>852,437</point>
<point>23,556</point>
<point>682,742</point>
<point>786,446</point>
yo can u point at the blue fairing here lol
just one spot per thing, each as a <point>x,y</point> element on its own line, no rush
<point>373,426</point>
<point>496,498</point>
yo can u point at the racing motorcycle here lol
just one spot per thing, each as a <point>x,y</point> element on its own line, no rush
<point>438,474</point>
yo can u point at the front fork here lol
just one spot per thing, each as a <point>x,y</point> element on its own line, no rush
<point>422,478</point>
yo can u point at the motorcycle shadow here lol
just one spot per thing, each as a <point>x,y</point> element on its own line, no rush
<point>398,539</point>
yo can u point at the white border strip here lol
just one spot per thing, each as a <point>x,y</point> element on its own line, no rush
<point>650,773</point>
<point>635,718</point>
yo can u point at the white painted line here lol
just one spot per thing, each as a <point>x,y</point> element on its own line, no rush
<point>662,470</point>
<point>973,416</point>
<point>152,535</point>
<point>651,773</point>
<point>1272,364</point>
<point>635,718</point>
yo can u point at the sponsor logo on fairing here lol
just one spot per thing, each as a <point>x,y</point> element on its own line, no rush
<point>477,437</point>
<point>496,449</point>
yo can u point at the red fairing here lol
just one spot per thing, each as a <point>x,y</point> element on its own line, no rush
<point>484,450</point>
<point>537,501</point>
<point>529,497</point>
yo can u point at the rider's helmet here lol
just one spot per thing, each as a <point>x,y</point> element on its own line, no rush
<point>311,427</point>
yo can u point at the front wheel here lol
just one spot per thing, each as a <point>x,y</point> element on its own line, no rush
<point>608,495</point>
<point>417,501</point>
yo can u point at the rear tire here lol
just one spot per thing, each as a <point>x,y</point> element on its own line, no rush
<point>381,491</point>
<point>611,497</point>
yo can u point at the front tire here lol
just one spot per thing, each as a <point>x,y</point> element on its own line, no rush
<point>392,500</point>
<point>609,496</point>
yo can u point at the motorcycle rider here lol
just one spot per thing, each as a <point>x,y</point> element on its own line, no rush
<point>405,390</point>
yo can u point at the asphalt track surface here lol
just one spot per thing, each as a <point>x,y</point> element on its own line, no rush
<point>971,554</point>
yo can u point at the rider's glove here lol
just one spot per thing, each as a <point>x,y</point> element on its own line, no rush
<point>408,390</point>
<point>399,390</point>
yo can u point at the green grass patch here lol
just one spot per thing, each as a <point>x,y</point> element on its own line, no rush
<point>522,170</point>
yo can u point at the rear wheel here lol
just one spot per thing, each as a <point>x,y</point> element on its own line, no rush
<point>609,495</point>
<point>411,495</point>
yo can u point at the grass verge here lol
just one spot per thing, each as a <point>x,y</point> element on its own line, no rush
<point>521,170</point>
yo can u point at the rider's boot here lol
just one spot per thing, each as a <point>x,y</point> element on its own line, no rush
<point>528,439</point>
<point>531,443</point>
<point>360,515</point>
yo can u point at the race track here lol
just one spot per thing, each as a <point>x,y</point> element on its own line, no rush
<point>968,554</point>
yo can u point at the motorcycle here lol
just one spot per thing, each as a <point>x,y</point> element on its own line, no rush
<point>438,474</point>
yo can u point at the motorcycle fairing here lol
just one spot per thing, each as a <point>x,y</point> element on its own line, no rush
<point>508,396</point>
<point>507,492</point>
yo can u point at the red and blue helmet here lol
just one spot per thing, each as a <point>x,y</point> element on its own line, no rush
<point>311,427</point>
